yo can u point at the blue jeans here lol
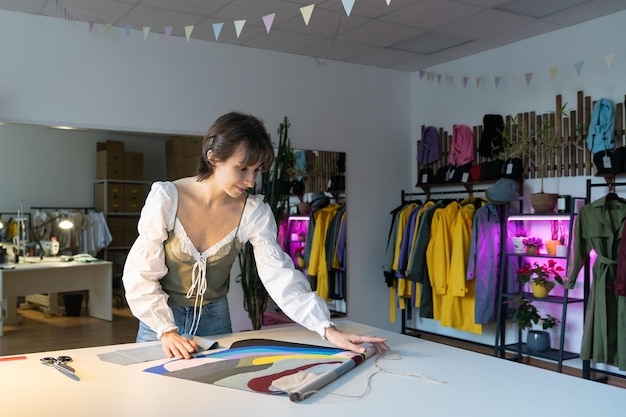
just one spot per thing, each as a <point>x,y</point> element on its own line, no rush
<point>215,319</point>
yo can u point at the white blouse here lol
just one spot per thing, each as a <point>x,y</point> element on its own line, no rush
<point>145,264</point>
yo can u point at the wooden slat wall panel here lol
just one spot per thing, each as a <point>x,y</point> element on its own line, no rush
<point>572,158</point>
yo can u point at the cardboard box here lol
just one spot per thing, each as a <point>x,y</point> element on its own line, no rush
<point>192,146</point>
<point>110,145</point>
<point>116,224</point>
<point>133,159</point>
<point>133,173</point>
<point>112,201</point>
<point>110,172</point>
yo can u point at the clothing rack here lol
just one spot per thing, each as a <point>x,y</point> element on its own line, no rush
<point>587,368</point>
<point>405,199</point>
<point>85,209</point>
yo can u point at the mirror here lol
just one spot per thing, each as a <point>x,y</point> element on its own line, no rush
<point>54,167</point>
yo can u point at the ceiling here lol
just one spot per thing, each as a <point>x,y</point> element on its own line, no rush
<point>406,35</point>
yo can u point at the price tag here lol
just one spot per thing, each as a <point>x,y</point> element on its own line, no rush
<point>465,177</point>
<point>424,178</point>
<point>450,175</point>
<point>606,161</point>
<point>509,168</point>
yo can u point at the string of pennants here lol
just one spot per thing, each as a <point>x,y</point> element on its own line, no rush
<point>450,79</point>
<point>306,13</point>
<point>268,21</point>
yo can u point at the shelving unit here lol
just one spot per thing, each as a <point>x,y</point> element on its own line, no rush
<point>505,294</point>
<point>120,201</point>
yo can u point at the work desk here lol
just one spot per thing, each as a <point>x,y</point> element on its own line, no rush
<point>475,384</point>
<point>55,277</point>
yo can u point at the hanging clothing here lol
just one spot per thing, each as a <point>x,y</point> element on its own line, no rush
<point>599,227</point>
<point>418,270</point>
<point>317,266</point>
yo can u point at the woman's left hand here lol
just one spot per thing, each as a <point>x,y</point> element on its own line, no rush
<point>353,341</point>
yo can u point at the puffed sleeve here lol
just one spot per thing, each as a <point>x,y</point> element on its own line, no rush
<point>285,284</point>
<point>145,264</point>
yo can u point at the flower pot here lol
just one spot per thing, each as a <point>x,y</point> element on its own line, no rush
<point>551,246</point>
<point>518,244</point>
<point>538,340</point>
<point>544,202</point>
<point>539,290</point>
<point>532,250</point>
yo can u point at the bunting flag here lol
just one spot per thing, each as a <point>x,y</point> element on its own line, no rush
<point>128,29</point>
<point>168,31</point>
<point>91,25</point>
<point>608,58</point>
<point>217,29</point>
<point>438,78</point>
<point>578,67</point>
<point>422,72</point>
<point>146,32</point>
<point>553,72</point>
<point>388,2</point>
<point>107,27</point>
<point>465,80</point>
<point>478,80</point>
<point>529,76</point>
<point>306,12</point>
<point>515,79</point>
<point>188,30</point>
<point>347,6</point>
<point>268,20</point>
<point>497,81</point>
<point>239,26</point>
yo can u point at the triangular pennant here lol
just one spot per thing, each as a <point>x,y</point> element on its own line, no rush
<point>217,28</point>
<point>529,76</point>
<point>578,67</point>
<point>438,78</point>
<point>146,31</point>
<point>478,80</point>
<point>608,58</point>
<point>188,30</point>
<point>128,29</point>
<point>268,20</point>
<point>90,25</point>
<point>239,26</point>
<point>429,76</point>
<point>465,80</point>
<point>497,81</point>
<point>422,72</point>
<point>108,27</point>
<point>168,30</point>
<point>388,2</point>
<point>306,12</point>
<point>553,72</point>
<point>347,6</point>
<point>450,79</point>
<point>515,79</point>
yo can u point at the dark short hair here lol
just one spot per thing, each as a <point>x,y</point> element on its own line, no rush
<point>227,133</point>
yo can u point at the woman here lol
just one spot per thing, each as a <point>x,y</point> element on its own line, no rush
<point>177,272</point>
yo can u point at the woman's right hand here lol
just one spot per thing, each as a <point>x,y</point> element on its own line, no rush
<point>177,346</point>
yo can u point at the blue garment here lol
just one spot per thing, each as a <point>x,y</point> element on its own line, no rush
<point>406,244</point>
<point>601,135</point>
<point>215,319</point>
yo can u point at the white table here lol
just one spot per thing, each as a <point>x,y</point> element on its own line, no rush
<point>476,385</point>
<point>54,277</point>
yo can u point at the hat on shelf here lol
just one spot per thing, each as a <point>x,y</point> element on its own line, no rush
<point>503,191</point>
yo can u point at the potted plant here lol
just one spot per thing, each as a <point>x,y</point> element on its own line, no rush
<point>516,143</point>
<point>533,244</point>
<point>518,239</point>
<point>255,296</point>
<point>527,315</point>
<point>541,277</point>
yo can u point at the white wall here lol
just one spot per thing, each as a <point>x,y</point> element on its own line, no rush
<point>444,104</point>
<point>56,74</point>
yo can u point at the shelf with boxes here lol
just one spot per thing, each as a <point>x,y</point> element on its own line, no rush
<point>182,156</point>
<point>119,193</point>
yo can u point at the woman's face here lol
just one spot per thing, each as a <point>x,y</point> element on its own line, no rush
<point>232,175</point>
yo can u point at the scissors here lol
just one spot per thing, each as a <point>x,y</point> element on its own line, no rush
<point>60,364</point>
